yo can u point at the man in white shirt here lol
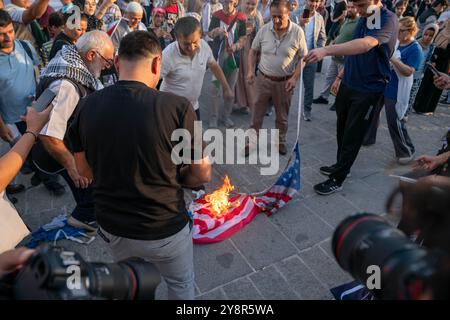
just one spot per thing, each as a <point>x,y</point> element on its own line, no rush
<point>184,63</point>
<point>71,75</point>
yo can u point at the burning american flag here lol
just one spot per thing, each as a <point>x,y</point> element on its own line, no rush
<point>220,214</point>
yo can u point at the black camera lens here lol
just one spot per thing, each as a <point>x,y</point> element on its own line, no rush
<point>131,279</point>
<point>365,239</point>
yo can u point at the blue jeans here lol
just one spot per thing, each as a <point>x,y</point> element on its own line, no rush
<point>309,72</point>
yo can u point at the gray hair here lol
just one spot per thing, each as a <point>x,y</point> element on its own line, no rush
<point>93,40</point>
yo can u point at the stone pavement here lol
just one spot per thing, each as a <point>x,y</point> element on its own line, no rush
<point>288,255</point>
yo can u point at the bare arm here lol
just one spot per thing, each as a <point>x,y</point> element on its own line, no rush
<point>12,161</point>
<point>404,69</point>
<point>35,11</point>
<point>58,150</point>
<point>194,175</point>
<point>5,132</point>
<point>251,65</point>
<point>353,47</point>
<point>83,166</point>
<point>103,7</point>
<point>218,73</point>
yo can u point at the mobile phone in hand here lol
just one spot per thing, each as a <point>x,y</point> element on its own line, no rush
<point>433,69</point>
<point>306,13</point>
<point>44,100</point>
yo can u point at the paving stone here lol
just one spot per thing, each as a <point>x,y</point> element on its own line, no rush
<point>302,281</point>
<point>217,264</point>
<point>300,225</point>
<point>332,209</point>
<point>216,294</point>
<point>261,243</point>
<point>363,197</point>
<point>242,289</point>
<point>272,285</point>
<point>38,199</point>
<point>324,268</point>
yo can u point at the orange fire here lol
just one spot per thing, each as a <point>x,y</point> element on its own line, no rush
<point>218,199</point>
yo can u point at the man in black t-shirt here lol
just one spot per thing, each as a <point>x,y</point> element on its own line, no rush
<point>123,134</point>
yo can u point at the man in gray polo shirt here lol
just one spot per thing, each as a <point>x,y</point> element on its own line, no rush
<point>282,46</point>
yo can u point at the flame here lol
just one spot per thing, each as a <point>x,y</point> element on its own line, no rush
<point>218,199</point>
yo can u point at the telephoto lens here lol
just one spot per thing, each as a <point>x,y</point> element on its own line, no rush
<point>130,279</point>
<point>365,242</point>
<point>54,273</point>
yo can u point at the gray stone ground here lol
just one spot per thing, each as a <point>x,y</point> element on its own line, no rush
<point>288,255</point>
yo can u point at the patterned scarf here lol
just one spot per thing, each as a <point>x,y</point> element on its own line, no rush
<point>68,64</point>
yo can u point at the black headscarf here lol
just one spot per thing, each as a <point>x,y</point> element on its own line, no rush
<point>92,22</point>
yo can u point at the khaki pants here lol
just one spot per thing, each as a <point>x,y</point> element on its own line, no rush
<point>266,89</point>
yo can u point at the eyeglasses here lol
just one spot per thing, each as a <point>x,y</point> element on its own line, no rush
<point>403,30</point>
<point>109,62</point>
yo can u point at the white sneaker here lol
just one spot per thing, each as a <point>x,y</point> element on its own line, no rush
<point>405,160</point>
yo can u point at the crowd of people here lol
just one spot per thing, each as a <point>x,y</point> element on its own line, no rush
<point>126,74</point>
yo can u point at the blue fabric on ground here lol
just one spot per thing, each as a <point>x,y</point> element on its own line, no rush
<point>54,234</point>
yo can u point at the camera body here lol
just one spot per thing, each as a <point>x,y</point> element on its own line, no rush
<point>53,273</point>
<point>408,271</point>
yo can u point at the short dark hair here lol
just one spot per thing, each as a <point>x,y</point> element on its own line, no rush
<point>439,2</point>
<point>56,19</point>
<point>5,18</point>
<point>280,3</point>
<point>139,44</point>
<point>186,26</point>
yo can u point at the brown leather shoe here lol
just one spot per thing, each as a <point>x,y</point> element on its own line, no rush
<point>282,149</point>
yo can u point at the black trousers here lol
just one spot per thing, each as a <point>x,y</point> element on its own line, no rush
<point>355,111</point>
<point>84,209</point>
<point>45,178</point>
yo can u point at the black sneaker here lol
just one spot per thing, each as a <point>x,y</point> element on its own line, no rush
<point>327,170</point>
<point>77,222</point>
<point>328,187</point>
<point>333,107</point>
<point>320,100</point>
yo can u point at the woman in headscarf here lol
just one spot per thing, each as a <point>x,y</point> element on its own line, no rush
<point>428,95</point>
<point>244,92</point>
<point>89,7</point>
<point>159,27</point>
<point>427,44</point>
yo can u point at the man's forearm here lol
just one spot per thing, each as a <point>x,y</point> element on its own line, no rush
<point>353,47</point>
<point>218,73</point>
<point>191,178</point>
<point>35,11</point>
<point>58,150</point>
<point>251,60</point>
<point>103,8</point>
<point>298,69</point>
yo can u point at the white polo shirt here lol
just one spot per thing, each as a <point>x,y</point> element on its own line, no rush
<point>279,56</point>
<point>183,76</point>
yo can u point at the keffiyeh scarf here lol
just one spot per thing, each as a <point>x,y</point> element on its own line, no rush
<point>68,64</point>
